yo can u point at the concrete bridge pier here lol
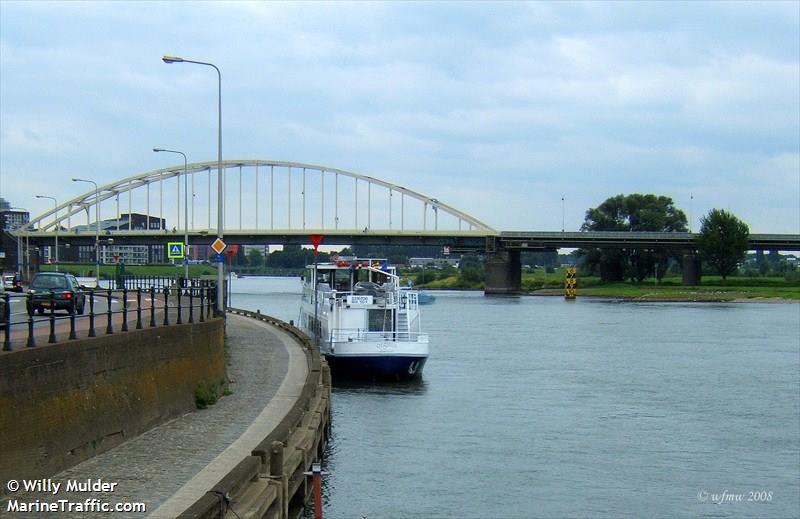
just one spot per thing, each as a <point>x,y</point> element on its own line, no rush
<point>503,272</point>
<point>691,268</point>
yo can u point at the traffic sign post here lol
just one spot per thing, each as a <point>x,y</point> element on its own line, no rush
<point>175,250</point>
<point>218,246</point>
<point>316,239</point>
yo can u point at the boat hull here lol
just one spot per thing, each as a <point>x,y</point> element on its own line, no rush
<point>376,367</point>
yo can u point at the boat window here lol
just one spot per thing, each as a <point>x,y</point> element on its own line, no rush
<point>342,280</point>
<point>380,320</point>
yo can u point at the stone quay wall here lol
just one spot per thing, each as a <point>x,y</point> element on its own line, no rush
<point>270,483</point>
<point>66,402</point>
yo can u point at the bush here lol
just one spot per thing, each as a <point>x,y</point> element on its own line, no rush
<point>472,274</point>
<point>749,272</point>
<point>205,394</point>
<point>530,285</point>
<point>425,277</point>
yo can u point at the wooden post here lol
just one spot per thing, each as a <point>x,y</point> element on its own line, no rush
<point>276,471</point>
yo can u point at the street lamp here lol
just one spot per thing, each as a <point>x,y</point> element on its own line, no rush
<point>185,209</point>
<point>96,227</point>
<point>55,204</point>
<point>220,221</point>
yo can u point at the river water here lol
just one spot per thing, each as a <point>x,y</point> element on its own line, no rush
<point>540,407</point>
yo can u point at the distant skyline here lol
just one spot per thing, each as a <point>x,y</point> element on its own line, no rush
<point>498,109</point>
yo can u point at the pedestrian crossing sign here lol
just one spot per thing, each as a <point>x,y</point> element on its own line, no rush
<point>175,250</point>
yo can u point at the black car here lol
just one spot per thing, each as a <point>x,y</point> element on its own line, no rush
<point>59,289</point>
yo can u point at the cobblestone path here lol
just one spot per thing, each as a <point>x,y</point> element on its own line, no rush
<point>151,467</point>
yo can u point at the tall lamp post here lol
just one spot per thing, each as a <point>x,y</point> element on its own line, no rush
<point>55,205</point>
<point>96,227</point>
<point>220,219</point>
<point>185,209</point>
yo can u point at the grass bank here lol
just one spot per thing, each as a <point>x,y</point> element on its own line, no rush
<point>712,288</point>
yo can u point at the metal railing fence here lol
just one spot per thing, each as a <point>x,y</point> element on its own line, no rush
<point>120,309</point>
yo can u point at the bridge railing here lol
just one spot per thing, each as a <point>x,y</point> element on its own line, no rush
<point>107,310</point>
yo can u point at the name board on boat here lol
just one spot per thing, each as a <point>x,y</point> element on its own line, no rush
<point>359,300</point>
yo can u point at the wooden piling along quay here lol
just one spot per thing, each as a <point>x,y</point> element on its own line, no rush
<point>270,483</point>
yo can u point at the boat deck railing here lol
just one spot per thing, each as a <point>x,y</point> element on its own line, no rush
<point>359,335</point>
<point>402,298</point>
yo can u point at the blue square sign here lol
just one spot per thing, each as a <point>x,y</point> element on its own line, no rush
<point>175,250</point>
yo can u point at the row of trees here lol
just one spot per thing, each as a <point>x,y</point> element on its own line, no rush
<point>294,256</point>
<point>291,257</point>
<point>722,243</point>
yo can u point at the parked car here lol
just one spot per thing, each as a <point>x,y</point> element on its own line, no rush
<point>12,282</point>
<point>65,289</point>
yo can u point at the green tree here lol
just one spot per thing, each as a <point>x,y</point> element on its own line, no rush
<point>294,256</point>
<point>471,268</point>
<point>546,258</point>
<point>447,271</point>
<point>635,212</point>
<point>255,258</point>
<point>723,241</point>
<point>424,276</point>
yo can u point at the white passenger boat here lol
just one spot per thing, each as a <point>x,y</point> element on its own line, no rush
<point>365,323</point>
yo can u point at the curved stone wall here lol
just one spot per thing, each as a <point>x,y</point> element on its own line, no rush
<point>63,403</point>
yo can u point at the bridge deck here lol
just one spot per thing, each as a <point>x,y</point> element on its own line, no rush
<point>466,239</point>
<point>544,239</point>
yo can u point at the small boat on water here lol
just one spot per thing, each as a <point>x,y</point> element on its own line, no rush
<point>366,324</point>
<point>425,298</point>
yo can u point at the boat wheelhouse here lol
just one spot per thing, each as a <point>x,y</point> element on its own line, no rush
<point>364,322</point>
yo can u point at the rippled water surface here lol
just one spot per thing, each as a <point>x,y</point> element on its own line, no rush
<point>539,407</point>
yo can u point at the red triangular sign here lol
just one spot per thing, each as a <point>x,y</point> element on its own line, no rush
<point>316,239</point>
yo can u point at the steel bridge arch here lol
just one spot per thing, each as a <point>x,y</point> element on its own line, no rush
<point>65,211</point>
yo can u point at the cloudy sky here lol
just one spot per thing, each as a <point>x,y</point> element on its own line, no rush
<point>498,109</point>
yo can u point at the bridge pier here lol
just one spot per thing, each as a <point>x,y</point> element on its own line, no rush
<point>691,268</point>
<point>503,273</point>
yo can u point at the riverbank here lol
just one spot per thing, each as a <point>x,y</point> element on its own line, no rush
<point>714,290</point>
<point>711,295</point>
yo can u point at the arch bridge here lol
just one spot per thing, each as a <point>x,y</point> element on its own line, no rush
<point>269,202</point>
<point>281,202</point>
